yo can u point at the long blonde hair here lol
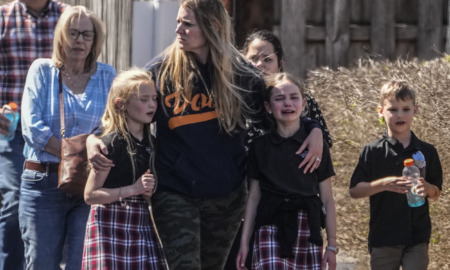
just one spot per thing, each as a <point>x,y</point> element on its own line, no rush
<point>124,86</point>
<point>180,69</point>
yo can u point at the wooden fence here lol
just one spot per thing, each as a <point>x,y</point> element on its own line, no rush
<point>347,30</point>
<point>336,33</point>
<point>314,32</point>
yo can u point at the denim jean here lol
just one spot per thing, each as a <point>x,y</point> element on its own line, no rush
<point>11,166</point>
<point>49,218</point>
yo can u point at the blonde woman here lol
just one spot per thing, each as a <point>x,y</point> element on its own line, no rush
<point>208,96</point>
<point>120,233</point>
<point>49,217</point>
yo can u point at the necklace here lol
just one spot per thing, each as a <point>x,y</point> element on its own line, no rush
<point>75,82</point>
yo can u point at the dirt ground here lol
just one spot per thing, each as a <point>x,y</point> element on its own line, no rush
<point>348,99</point>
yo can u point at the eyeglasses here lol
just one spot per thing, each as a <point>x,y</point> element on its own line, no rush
<point>87,35</point>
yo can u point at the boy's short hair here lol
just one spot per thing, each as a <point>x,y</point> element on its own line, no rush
<point>399,89</point>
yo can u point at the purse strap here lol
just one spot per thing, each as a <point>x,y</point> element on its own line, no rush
<point>61,106</point>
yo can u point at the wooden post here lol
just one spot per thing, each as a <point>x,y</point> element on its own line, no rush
<point>382,34</point>
<point>117,46</point>
<point>447,46</point>
<point>292,35</point>
<point>337,42</point>
<point>429,42</point>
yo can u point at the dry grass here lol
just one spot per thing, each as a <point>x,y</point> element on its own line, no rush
<point>348,99</point>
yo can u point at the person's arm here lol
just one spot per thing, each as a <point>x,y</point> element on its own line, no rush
<point>96,151</point>
<point>95,193</point>
<point>249,223</point>
<point>391,183</point>
<point>53,146</point>
<point>326,195</point>
<point>36,132</point>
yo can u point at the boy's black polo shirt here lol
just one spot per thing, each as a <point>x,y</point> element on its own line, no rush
<point>392,221</point>
<point>272,161</point>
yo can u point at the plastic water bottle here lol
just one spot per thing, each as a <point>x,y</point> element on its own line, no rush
<point>10,112</point>
<point>412,173</point>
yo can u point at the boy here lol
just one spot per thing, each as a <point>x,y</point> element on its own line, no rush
<point>399,234</point>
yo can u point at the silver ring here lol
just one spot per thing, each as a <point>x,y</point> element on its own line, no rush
<point>317,159</point>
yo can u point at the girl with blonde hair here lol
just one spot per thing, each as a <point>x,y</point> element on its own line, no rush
<point>120,232</point>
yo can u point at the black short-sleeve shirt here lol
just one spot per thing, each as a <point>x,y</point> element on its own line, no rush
<point>272,161</point>
<point>122,174</point>
<point>392,221</point>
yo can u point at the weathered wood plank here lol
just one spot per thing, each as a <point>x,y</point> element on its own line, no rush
<point>315,55</point>
<point>315,33</point>
<point>362,32</point>
<point>406,49</point>
<point>406,31</point>
<point>358,50</point>
<point>337,32</point>
<point>429,42</point>
<point>406,11</point>
<point>447,46</point>
<point>359,32</point>
<point>292,35</point>
<point>251,15</point>
<point>315,11</point>
<point>382,36</point>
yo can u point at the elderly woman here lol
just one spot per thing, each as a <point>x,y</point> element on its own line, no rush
<point>49,217</point>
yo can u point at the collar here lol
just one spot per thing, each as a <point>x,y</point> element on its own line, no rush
<point>414,144</point>
<point>43,13</point>
<point>298,136</point>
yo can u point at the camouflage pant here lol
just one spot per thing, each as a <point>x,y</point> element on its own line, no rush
<point>198,233</point>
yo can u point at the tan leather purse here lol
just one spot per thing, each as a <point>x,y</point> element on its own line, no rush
<point>73,168</point>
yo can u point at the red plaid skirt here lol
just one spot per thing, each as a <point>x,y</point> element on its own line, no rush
<point>266,250</point>
<point>122,237</point>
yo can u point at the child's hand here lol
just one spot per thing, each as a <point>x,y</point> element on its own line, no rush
<point>420,188</point>
<point>430,191</point>
<point>146,183</point>
<point>241,258</point>
<point>329,257</point>
<point>396,184</point>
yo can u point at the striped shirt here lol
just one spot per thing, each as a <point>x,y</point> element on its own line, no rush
<point>23,38</point>
<point>40,107</point>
